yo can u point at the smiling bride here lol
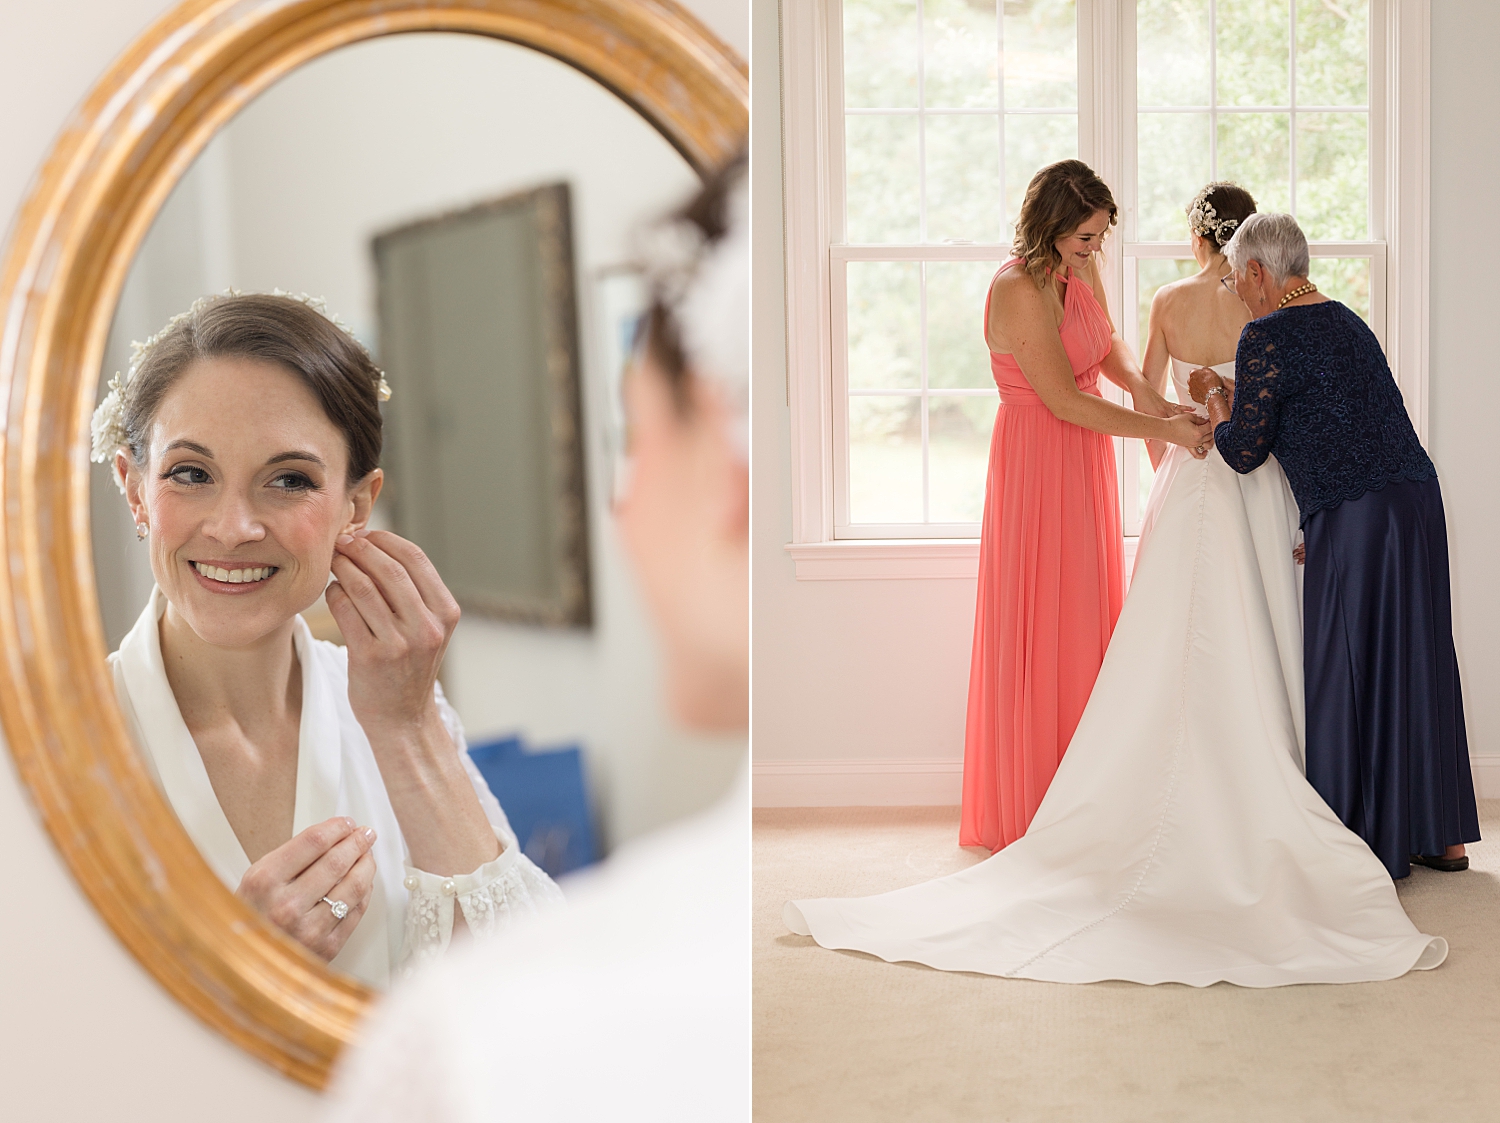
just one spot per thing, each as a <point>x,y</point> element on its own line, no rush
<point>329,787</point>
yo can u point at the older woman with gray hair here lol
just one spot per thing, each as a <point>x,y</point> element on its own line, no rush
<point>1386,746</point>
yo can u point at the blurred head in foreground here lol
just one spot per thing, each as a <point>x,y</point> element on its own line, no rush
<point>684,514</point>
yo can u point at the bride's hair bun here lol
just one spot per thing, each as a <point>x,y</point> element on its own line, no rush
<point>1217,211</point>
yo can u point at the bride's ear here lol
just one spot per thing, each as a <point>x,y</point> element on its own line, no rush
<point>130,483</point>
<point>362,501</point>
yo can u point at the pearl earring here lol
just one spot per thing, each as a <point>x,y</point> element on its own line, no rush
<point>141,530</point>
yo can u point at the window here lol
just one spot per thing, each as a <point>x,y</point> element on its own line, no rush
<point>948,107</point>
<point>1276,96</point>
<point>911,128</point>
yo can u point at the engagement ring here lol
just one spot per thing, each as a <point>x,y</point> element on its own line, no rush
<point>340,910</point>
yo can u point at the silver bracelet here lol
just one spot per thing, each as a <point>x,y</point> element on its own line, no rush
<point>1219,390</point>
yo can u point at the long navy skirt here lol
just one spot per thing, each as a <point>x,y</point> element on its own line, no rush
<point>1386,745</point>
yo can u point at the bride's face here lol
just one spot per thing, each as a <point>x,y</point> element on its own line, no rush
<point>1083,243</point>
<point>244,492</point>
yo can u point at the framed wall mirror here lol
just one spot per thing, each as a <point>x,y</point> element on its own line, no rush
<point>479,306</point>
<point>183,173</point>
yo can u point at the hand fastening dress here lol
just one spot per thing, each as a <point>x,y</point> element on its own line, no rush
<point>1051,584</point>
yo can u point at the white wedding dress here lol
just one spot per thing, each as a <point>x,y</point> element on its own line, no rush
<point>1179,841</point>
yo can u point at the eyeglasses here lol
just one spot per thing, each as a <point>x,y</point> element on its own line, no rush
<point>1227,280</point>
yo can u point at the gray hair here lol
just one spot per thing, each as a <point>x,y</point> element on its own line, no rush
<point>1274,240</point>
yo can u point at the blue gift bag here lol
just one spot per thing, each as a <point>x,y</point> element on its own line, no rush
<point>545,799</point>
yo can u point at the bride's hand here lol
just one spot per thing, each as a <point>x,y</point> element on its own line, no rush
<point>329,859</point>
<point>1194,433</point>
<point>396,616</point>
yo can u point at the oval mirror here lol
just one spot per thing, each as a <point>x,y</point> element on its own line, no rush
<point>460,185</point>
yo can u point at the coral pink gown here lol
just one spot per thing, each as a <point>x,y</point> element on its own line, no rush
<point>1051,585</point>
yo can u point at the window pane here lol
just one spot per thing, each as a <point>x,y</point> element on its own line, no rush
<point>885,460</point>
<point>1333,51</point>
<point>1254,52</point>
<point>1171,52</point>
<point>963,178</point>
<point>1173,163</point>
<point>958,456</point>
<point>1032,141</point>
<point>1151,274</point>
<point>1041,54</point>
<point>880,156</point>
<point>962,54</point>
<point>880,54</point>
<point>1333,175</point>
<point>957,357</point>
<point>1255,151</point>
<point>884,340</point>
<point>1345,279</point>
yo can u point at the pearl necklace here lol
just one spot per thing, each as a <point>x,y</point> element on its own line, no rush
<point>1300,290</point>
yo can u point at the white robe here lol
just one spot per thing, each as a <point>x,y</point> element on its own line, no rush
<point>633,1003</point>
<point>410,914</point>
<point>1179,840</point>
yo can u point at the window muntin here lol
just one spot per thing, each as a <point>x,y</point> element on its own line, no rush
<point>1271,93</point>
<point>947,111</point>
<point>1276,96</point>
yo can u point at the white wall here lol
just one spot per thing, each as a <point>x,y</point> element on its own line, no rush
<point>860,686</point>
<point>85,1033</point>
<point>1465,391</point>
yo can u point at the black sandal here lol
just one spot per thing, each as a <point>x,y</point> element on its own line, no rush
<point>1438,862</point>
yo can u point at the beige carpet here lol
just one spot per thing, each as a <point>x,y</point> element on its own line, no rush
<point>844,1036</point>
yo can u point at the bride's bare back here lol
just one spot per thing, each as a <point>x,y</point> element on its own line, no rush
<point>1196,320</point>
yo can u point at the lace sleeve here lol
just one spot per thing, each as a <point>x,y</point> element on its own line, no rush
<point>490,898</point>
<point>1247,438</point>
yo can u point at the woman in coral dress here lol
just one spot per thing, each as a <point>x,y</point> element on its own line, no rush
<point>1051,562</point>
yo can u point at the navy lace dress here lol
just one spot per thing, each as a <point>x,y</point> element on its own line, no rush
<point>1386,745</point>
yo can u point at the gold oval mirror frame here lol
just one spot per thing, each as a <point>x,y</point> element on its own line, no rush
<point>94,200</point>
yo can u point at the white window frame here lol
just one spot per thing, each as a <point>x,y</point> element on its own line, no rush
<point>812,162</point>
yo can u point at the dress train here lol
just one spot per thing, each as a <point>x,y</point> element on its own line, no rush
<point>1180,840</point>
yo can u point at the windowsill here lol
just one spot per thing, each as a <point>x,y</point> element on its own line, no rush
<point>899,559</point>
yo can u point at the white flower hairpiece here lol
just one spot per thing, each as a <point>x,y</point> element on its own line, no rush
<point>320,306</point>
<point>1205,222</point>
<point>706,285</point>
<point>107,427</point>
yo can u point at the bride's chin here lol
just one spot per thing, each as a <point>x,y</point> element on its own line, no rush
<point>232,623</point>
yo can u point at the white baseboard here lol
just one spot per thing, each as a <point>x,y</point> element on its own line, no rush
<point>927,783</point>
<point>1486,769</point>
<point>857,783</point>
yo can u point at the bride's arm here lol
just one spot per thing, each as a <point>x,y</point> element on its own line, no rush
<point>396,617</point>
<point>1156,363</point>
<point>464,869</point>
<point>485,901</point>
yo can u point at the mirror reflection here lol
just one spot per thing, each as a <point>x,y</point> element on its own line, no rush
<point>256,459</point>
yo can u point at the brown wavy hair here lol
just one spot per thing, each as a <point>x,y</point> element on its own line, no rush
<point>1059,199</point>
<point>272,329</point>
